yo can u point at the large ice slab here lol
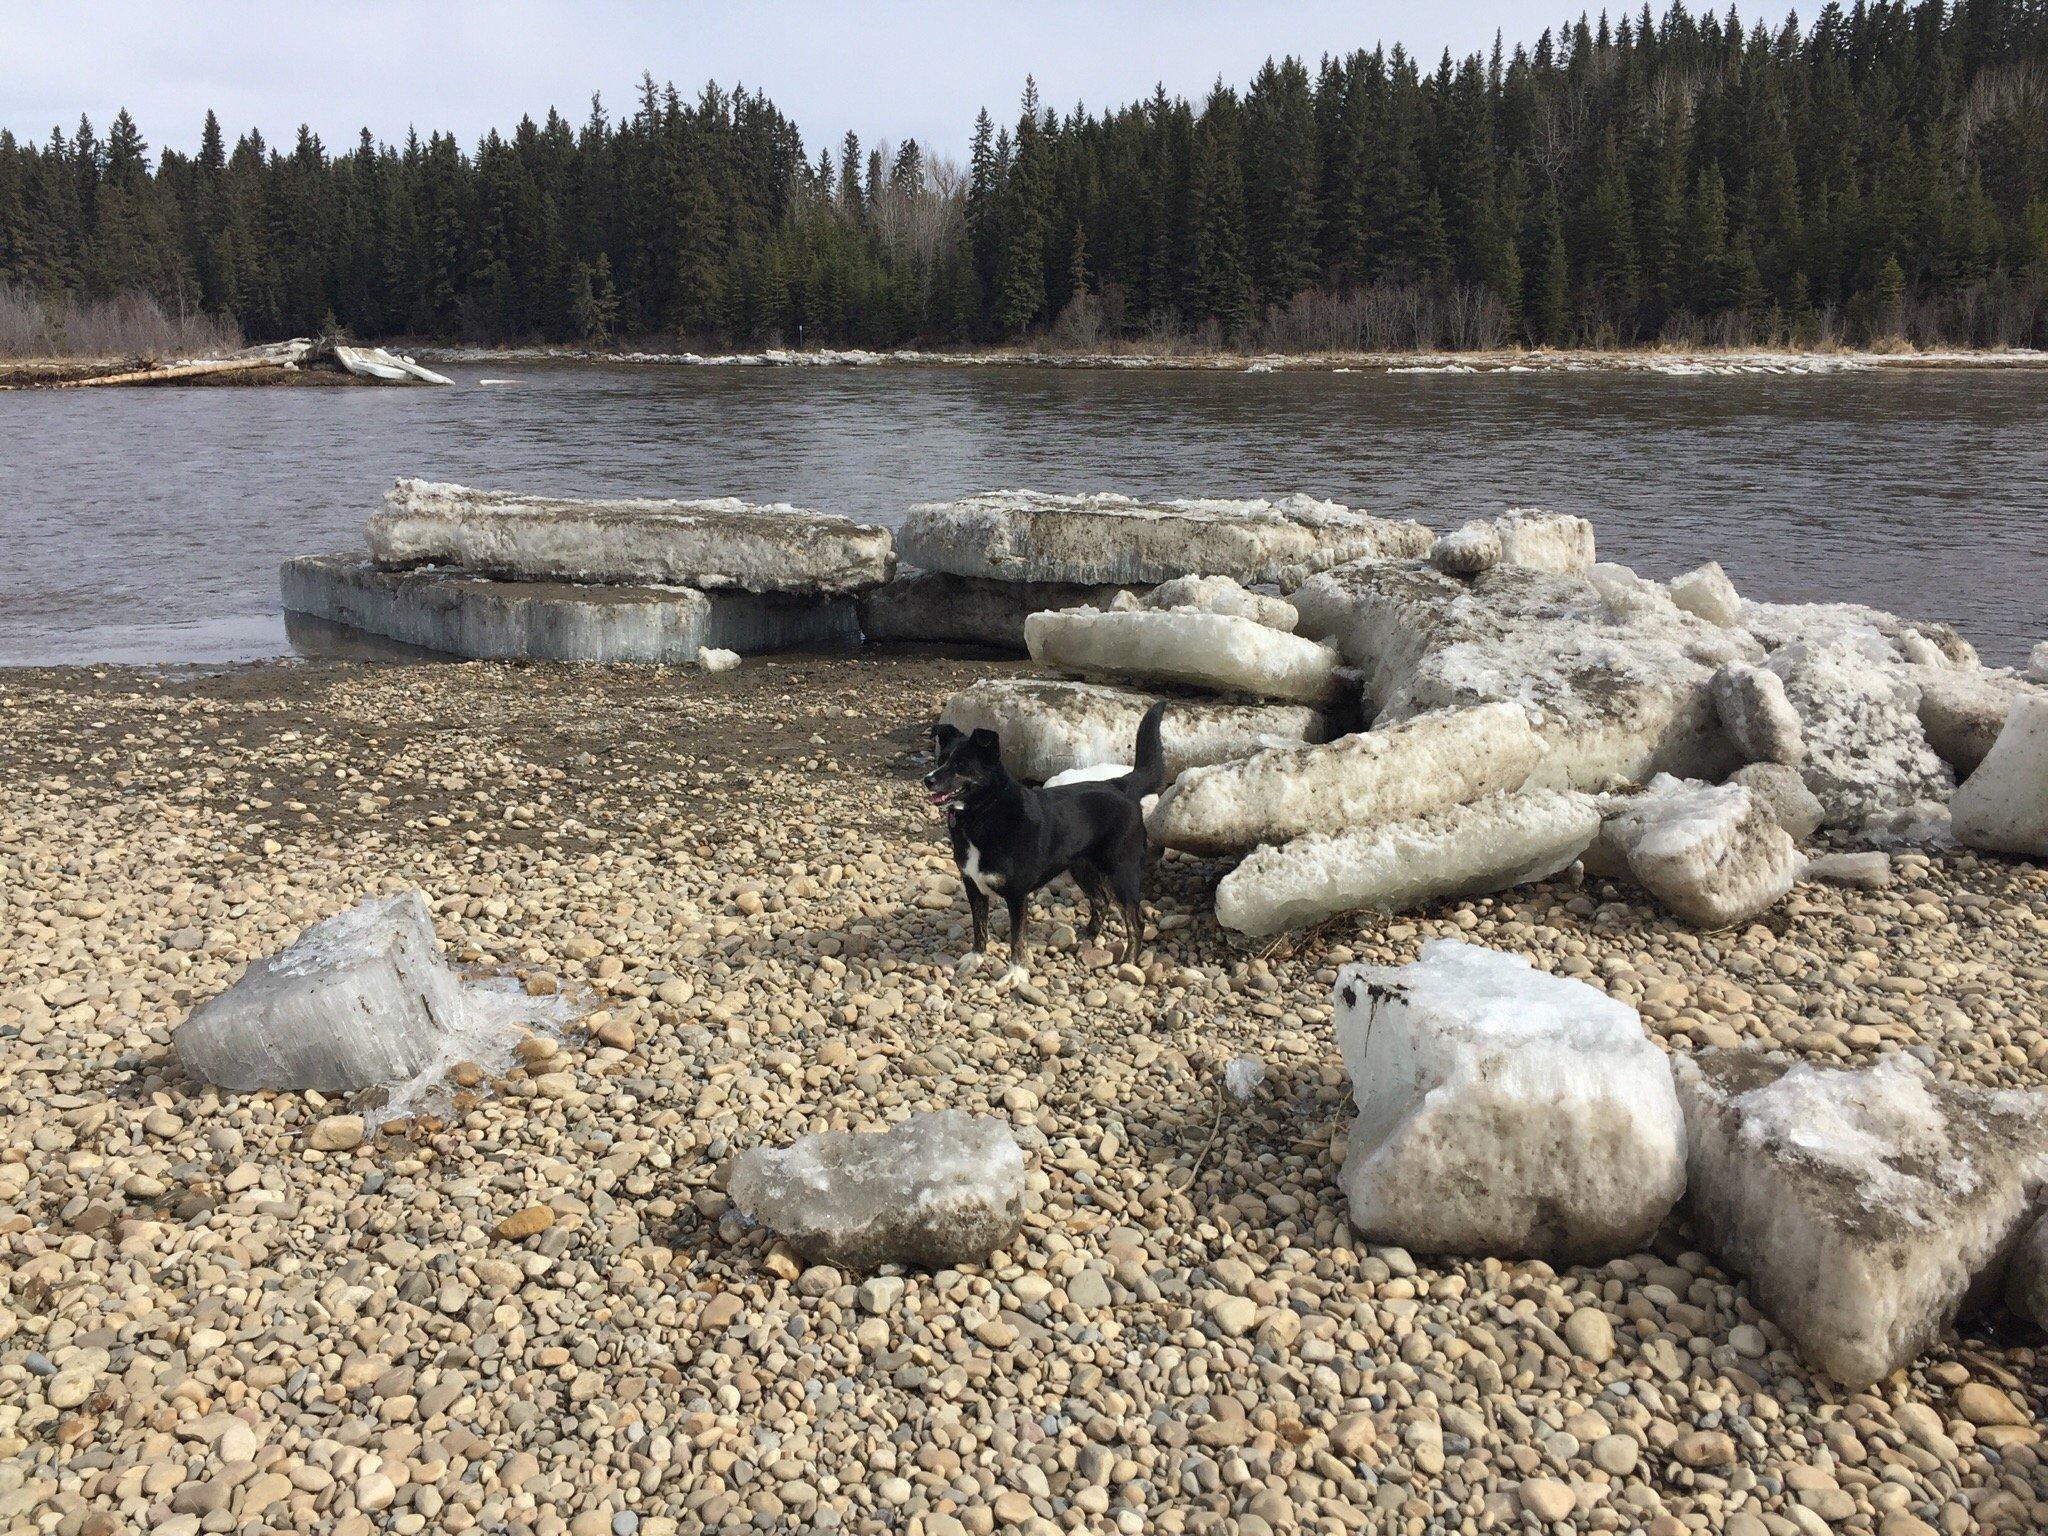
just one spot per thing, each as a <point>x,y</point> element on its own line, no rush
<point>1713,854</point>
<point>1465,850</point>
<point>940,1189</point>
<point>1200,650</point>
<point>1867,755</point>
<point>1050,727</point>
<point>1620,691</point>
<point>1040,536</point>
<point>1392,773</point>
<point>1502,1111</point>
<point>1864,1205</point>
<point>930,607</point>
<point>474,616</point>
<point>364,999</point>
<point>2003,806</point>
<point>713,545</point>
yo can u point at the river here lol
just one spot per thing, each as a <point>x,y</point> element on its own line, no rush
<point>146,525</point>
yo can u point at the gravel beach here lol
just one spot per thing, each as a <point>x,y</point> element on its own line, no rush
<point>536,1313</point>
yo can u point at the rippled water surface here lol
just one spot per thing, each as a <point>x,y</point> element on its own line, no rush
<point>147,525</point>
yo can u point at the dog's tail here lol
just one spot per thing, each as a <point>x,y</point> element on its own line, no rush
<point>1148,771</point>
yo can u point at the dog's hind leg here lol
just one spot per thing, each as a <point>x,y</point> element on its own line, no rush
<point>1134,929</point>
<point>1127,877</point>
<point>1016,903</point>
<point>1095,891</point>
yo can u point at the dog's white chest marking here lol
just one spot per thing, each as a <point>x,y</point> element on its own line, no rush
<point>986,883</point>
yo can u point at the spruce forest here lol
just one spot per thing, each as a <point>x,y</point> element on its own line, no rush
<point>1881,173</point>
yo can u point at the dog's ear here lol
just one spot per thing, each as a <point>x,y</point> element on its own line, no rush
<point>985,743</point>
<point>944,737</point>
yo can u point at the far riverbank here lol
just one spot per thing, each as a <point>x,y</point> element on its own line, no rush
<point>1678,362</point>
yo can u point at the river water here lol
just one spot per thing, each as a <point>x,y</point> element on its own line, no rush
<point>147,525</point>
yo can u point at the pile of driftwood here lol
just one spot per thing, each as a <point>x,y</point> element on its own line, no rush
<point>275,361</point>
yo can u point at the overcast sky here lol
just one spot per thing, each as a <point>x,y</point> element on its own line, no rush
<point>887,68</point>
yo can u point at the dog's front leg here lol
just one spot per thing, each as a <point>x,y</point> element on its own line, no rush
<point>977,904</point>
<point>1018,945</point>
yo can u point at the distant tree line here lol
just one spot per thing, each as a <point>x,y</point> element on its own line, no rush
<point>1883,172</point>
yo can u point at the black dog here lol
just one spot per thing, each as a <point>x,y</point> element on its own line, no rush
<point>1010,839</point>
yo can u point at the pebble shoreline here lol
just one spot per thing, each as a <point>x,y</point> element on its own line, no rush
<point>538,1314</point>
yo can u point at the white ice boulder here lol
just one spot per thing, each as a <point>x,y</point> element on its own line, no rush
<point>1465,850</point>
<point>2003,806</point>
<point>1864,1205</point>
<point>1220,594</point>
<point>1625,593</point>
<point>2037,663</point>
<point>1503,1111</point>
<point>363,999</point>
<point>1213,651</point>
<point>1049,727</point>
<point>711,545</point>
<point>1393,773</point>
<point>1867,755</point>
<point>1040,536</point>
<point>1760,721</point>
<point>1963,709</point>
<point>1621,813</point>
<point>1784,793</point>
<point>1707,593</point>
<point>1469,550</point>
<point>1618,695</point>
<point>1713,855</point>
<point>940,1189</point>
<point>1545,541</point>
<point>1867,869</point>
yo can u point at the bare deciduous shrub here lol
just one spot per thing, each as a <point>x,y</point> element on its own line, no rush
<point>1387,317</point>
<point>127,325</point>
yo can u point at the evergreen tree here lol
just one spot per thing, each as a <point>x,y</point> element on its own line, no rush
<point>1020,271</point>
<point>1886,299</point>
<point>1279,158</point>
<point>594,301</point>
<point>1703,243</point>
<point>1219,284</point>
<point>1545,295</point>
<point>984,224</point>
<point>1605,264</point>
